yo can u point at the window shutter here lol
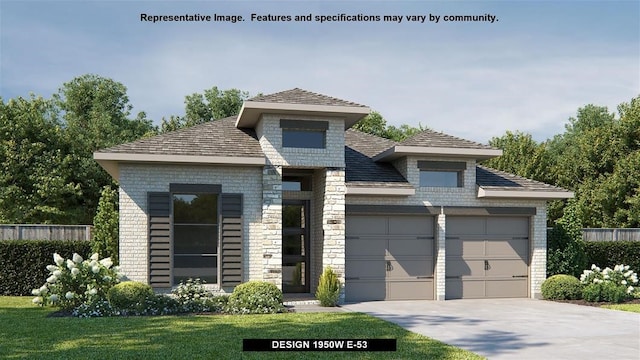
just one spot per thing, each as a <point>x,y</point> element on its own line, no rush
<point>159,204</point>
<point>231,240</point>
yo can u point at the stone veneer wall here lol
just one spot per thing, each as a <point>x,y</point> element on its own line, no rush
<point>467,196</point>
<point>271,239</point>
<point>270,134</point>
<point>317,237</point>
<point>138,179</point>
<point>333,223</point>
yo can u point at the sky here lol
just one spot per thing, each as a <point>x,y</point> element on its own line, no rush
<point>528,71</point>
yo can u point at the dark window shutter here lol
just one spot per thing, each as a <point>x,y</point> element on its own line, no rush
<point>159,239</point>
<point>231,244</point>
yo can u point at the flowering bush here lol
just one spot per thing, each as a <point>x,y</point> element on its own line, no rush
<point>255,297</point>
<point>76,281</point>
<point>612,285</point>
<point>193,297</point>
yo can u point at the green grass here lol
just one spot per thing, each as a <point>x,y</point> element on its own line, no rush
<point>27,332</point>
<point>624,307</point>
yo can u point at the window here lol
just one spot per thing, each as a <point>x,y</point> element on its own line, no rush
<point>195,237</point>
<point>441,173</point>
<point>304,134</point>
<point>296,183</point>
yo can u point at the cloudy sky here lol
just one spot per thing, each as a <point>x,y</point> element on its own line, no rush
<point>529,71</point>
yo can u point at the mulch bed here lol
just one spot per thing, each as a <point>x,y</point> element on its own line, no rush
<point>596,304</point>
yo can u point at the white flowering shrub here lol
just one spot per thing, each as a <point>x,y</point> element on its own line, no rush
<point>193,297</point>
<point>611,285</point>
<point>255,297</point>
<point>76,281</point>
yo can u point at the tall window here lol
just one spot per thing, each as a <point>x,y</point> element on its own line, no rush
<point>195,237</point>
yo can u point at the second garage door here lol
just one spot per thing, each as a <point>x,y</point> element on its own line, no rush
<point>389,257</point>
<point>487,257</point>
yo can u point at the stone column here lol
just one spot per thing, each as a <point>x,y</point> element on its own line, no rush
<point>539,252</point>
<point>272,224</point>
<point>333,223</point>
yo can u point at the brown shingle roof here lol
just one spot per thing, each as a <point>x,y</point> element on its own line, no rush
<point>213,138</point>
<point>499,180</point>
<point>430,138</point>
<point>303,97</point>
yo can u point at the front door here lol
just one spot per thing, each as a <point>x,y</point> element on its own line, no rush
<point>295,246</point>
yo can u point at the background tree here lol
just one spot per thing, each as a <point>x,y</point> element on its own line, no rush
<point>213,104</point>
<point>96,116</point>
<point>521,156</point>
<point>105,225</point>
<point>375,124</point>
<point>37,182</point>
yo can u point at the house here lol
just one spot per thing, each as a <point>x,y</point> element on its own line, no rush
<point>287,188</point>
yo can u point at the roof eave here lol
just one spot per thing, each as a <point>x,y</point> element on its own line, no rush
<point>523,194</point>
<point>403,150</point>
<point>110,161</point>
<point>251,111</point>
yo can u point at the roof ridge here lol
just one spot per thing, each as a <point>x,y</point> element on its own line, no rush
<point>280,97</point>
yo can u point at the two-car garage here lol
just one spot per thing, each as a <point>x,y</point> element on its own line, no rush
<point>393,257</point>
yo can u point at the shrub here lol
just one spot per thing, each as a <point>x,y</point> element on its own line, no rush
<point>75,281</point>
<point>611,285</point>
<point>105,225</point>
<point>255,297</point>
<point>193,297</point>
<point>328,291</point>
<point>24,262</point>
<point>129,295</point>
<point>562,287</point>
<point>610,253</point>
<point>565,252</point>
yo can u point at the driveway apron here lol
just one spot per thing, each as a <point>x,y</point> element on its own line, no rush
<point>517,328</point>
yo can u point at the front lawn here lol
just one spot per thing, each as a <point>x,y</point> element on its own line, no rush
<point>27,332</point>
<point>624,307</point>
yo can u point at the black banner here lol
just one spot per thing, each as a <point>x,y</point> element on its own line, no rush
<point>319,345</point>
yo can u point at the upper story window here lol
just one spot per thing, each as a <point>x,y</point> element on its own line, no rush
<point>304,134</point>
<point>441,173</point>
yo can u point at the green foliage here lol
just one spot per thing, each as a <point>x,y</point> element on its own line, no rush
<point>129,295</point>
<point>329,286</point>
<point>75,281</point>
<point>375,124</point>
<point>562,287</point>
<point>521,156</point>
<point>255,297</point>
<point>24,262</point>
<point>604,292</point>
<point>214,104</point>
<point>609,253</point>
<point>193,297</point>
<point>37,184</point>
<point>565,248</point>
<point>106,224</point>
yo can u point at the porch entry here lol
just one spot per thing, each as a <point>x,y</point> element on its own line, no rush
<point>295,246</point>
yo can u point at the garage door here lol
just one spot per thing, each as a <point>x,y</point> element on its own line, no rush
<point>389,258</point>
<point>487,257</point>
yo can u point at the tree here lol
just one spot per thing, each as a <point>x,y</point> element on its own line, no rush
<point>565,252</point>
<point>96,116</point>
<point>522,156</point>
<point>105,225</point>
<point>213,104</point>
<point>375,124</point>
<point>36,177</point>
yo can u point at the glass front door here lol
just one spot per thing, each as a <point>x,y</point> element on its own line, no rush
<point>295,246</point>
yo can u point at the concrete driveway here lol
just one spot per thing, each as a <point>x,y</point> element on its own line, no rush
<point>517,328</point>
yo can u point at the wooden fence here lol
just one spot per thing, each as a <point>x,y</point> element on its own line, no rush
<point>632,234</point>
<point>45,232</point>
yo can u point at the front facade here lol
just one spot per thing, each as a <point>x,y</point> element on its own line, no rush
<point>286,188</point>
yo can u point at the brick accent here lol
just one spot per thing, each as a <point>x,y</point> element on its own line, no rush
<point>441,260</point>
